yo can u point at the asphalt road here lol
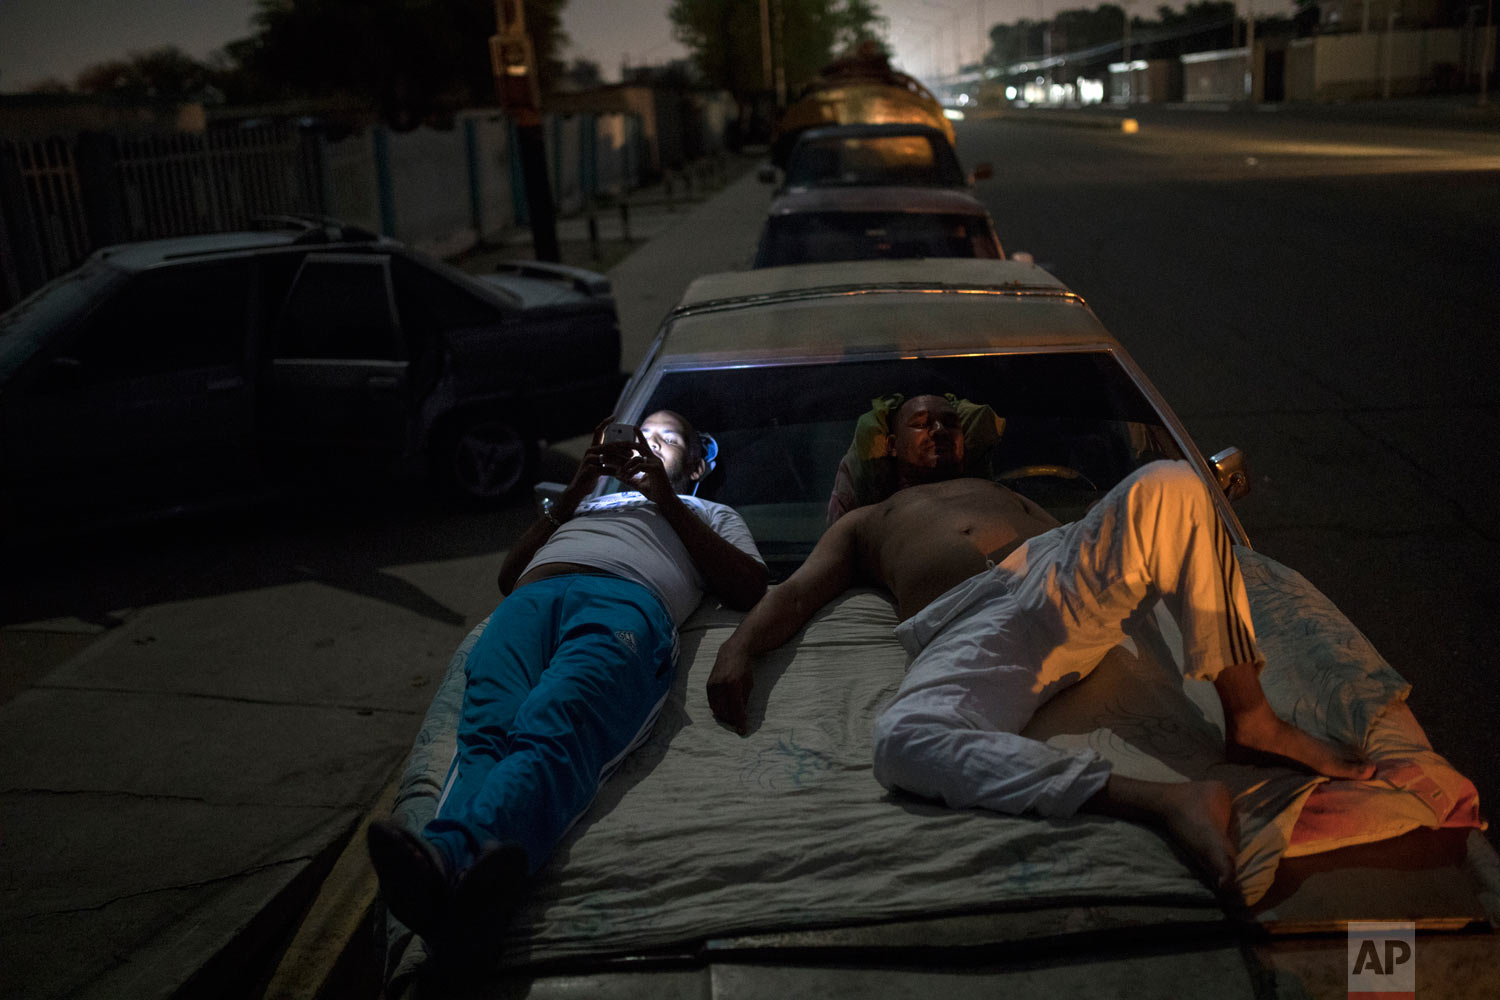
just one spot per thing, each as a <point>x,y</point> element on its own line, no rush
<point>1324,295</point>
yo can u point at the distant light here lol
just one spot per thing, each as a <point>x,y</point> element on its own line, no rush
<point>953,114</point>
<point>963,100</point>
<point>1010,93</point>
<point>1130,125</point>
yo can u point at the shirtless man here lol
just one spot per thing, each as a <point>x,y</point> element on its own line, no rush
<point>1002,608</point>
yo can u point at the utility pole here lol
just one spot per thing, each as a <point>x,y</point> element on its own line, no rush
<point>1489,53</point>
<point>1390,36</point>
<point>1250,50</point>
<point>514,66</point>
<point>780,53</point>
<point>765,45</point>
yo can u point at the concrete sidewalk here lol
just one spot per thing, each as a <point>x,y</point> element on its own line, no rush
<point>173,793</point>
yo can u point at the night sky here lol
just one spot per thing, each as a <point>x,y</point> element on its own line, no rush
<point>57,38</point>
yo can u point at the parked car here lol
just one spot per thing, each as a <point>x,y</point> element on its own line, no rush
<point>820,225</point>
<point>775,865</point>
<point>873,155</point>
<point>902,154</point>
<point>173,370</point>
<point>859,87</point>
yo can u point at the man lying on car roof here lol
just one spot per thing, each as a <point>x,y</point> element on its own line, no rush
<point>567,677</point>
<point>1002,608</point>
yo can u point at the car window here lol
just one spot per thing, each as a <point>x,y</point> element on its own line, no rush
<point>169,319</point>
<point>854,160</point>
<point>811,237</point>
<point>1075,424</point>
<point>54,310</point>
<point>430,301</point>
<point>340,307</point>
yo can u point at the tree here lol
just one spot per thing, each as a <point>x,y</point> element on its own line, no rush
<point>724,37</point>
<point>411,58</point>
<point>581,74</point>
<point>166,73</point>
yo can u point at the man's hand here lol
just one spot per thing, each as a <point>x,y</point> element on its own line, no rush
<point>588,472</point>
<point>729,685</point>
<point>644,472</point>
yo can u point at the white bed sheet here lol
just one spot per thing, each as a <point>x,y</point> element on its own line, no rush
<point>703,834</point>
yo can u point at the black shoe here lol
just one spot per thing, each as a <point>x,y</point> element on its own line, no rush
<point>413,878</point>
<point>469,941</point>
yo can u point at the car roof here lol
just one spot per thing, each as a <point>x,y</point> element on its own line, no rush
<point>878,198</point>
<point>148,253</point>
<point>144,254</point>
<point>827,311</point>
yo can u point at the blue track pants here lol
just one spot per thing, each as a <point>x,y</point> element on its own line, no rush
<point>566,679</point>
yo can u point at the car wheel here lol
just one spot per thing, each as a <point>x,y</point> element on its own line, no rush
<point>490,459</point>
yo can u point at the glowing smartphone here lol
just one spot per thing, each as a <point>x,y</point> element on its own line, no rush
<point>619,434</point>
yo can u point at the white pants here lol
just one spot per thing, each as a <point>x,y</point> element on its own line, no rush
<point>991,651</point>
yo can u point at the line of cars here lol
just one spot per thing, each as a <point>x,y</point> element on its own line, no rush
<point>861,288</point>
<point>873,192</point>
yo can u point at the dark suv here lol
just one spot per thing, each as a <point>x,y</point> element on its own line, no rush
<point>177,369</point>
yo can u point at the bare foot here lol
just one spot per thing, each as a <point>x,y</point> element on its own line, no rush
<point>1261,736</point>
<point>1197,814</point>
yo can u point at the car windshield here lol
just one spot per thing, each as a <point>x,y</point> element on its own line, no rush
<point>58,305</point>
<point>1075,423</point>
<point>853,160</point>
<point>812,237</point>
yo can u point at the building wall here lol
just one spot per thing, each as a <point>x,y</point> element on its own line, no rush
<point>1339,67</point>
<point>1145,81</point>
<point>1215,76</point>
<point>350,191</point>
<point>429,177</point>
<point>491,156</point>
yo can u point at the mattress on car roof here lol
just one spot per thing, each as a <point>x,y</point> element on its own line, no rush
<point>703,834</point>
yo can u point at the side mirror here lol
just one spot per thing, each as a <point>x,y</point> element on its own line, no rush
<point>1232,471</point>
<point>981,172</point>
<point>766,173</point>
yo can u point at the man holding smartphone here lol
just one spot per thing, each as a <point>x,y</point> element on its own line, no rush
<point>567,677</point>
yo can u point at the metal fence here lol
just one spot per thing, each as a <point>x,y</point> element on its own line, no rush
<point>63,197</point>
<point>212,181</point>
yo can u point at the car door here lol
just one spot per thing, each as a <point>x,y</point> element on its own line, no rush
<point>150,398</point>
<point>339,366</point>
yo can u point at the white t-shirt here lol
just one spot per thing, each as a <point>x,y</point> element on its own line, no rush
<point>625,534</point>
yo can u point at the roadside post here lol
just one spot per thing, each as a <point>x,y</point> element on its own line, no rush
<point>514,67</point>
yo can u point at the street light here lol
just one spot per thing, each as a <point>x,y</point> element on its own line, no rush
<point>931,31</point>
<point>958,59</point>
<point>514,67</point>
<point>1489,53</point>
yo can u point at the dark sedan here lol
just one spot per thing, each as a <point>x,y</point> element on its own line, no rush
<point>823,225</point>
<point>176,371</point>
<point>879,155</point>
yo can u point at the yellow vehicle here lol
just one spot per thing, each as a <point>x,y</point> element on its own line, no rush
<point>860,88</point>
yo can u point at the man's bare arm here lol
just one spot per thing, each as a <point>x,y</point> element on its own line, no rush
<point>589,470</point>
<point>731,575</point>
<point>829,571</point>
